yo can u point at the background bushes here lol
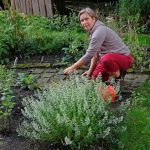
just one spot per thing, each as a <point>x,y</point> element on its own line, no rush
<point>35,35</point>
<point>136,13</point>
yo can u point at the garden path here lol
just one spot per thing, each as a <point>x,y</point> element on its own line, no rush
<point>49,73</point>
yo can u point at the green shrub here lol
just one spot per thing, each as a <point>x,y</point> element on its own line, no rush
<point>6,79</point>
<point>132,11</point>
<point>72,113</point>
<point>27,81</point>
<point>140,55</point>
<point>29,35</point>
<point>6,95</point>
<point>76,48</point>
<point>12,39</point>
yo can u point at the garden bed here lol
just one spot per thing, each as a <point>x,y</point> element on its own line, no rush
<point>9,138</point>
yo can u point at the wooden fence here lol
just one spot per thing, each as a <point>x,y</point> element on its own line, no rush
<point>35,7</point>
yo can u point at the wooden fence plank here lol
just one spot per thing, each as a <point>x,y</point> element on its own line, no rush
<point>23,6</point>
<point>16,5</point>
<point>13,4</point>
<point>42,7</point>
<point>29,7</point>
<point>48,4</point>
<point>19,5</point>
<point>36,9</point>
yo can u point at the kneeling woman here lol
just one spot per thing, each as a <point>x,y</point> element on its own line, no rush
<point>108,54</point>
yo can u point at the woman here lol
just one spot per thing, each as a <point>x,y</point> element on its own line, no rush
<point>108,54</point>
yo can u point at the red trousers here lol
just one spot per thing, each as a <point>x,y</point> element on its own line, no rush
<point>111,62</point>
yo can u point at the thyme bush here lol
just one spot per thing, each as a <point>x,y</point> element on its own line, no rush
<point>72,113</point>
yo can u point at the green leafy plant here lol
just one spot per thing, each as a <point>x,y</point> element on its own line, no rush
<point>75,50</point>
<point>133,11</point>
<point>27,81</point>
<point>140,55</point>
<point>29,35</point>
<point>6,106</point>
<point>72,113</point>
<point>6,103</point>
<point>6,79</point>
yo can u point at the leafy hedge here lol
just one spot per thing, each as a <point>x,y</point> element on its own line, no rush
<point>29,35</point>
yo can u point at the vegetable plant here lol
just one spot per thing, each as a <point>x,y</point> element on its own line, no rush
<point>27,81</point>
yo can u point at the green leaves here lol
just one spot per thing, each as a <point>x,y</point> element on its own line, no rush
<point>75,50</point>
<point>27,81</point>
<point>6,104</point>
<point>29,35</point>
<point>6,79</point>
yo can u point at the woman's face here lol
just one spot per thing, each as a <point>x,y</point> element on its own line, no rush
<point>87,21</point>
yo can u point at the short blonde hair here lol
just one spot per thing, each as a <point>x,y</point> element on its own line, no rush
<point>88,10</point>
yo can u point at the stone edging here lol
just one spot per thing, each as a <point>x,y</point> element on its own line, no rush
<point>39,65</point>
<point>59,65</point>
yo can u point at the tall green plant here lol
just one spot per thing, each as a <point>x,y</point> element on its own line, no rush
<point>6,103</point>
<point>133,11</point>
<point>6,79</point>
<point>12,39</point>
<point>140,55</point>
<point>76,48</point>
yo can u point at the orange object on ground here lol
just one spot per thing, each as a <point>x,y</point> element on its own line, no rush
<point>107,93</point>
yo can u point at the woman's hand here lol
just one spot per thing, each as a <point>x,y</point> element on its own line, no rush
<point>69,70</point>
<point>87,74</point>
<point>76,65</point>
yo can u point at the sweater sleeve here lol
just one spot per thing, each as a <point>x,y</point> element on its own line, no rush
<point>97,39</point>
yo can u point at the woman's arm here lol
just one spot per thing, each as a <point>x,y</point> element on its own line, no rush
<point>76,65</point>
<point>92,66</point>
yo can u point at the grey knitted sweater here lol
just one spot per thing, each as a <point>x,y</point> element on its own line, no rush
<point>103,40</point>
